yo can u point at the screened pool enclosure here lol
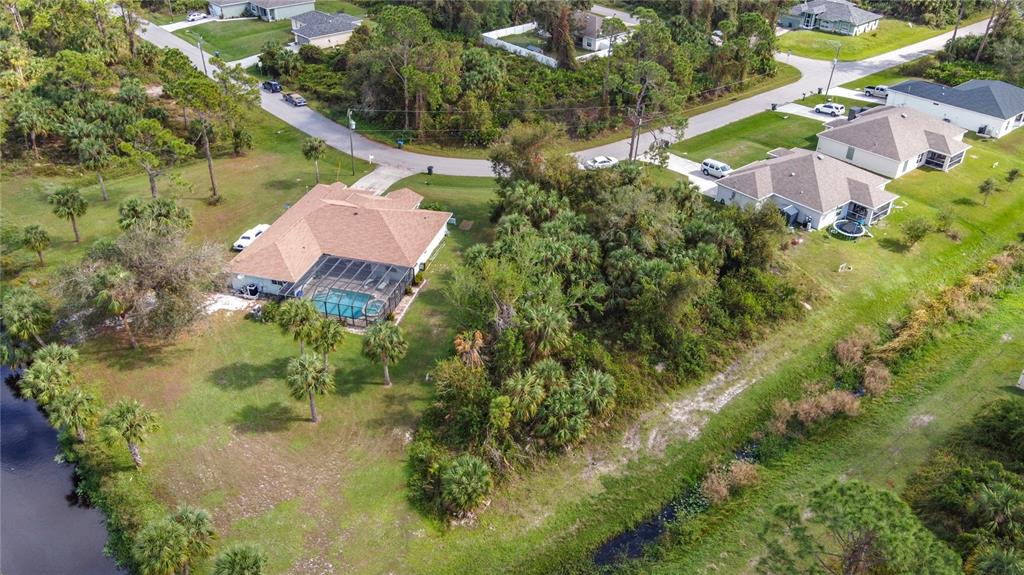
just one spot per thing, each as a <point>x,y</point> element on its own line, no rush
<point>357,291</point>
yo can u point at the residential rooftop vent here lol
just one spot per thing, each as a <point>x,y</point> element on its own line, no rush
<point>792,174</point>
<point>903,114</point>
<point>820,157</point>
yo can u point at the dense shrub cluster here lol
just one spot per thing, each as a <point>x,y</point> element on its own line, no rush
<point>593,279</point>
<point>970,493</point>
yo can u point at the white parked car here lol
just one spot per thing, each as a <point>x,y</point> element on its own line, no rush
<point>196,16</point>
<point>600,162</point>
<point>830,108</point>
<point>250,236</point>
<point>715,168</point>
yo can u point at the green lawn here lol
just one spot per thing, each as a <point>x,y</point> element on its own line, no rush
<point>815,99</point>
<point>748,140</point>
<point>255,188</point>
<point>887,77</point>
<point>943,387</point>
<point>526,39</point>
<point>335,6</point>
<point>236,39</point>
<point>890,35</point>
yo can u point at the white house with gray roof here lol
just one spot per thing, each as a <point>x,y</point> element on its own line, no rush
<point>322,29</point>
<point>838,16</point>
<point>269,10</point>
<point>893,141</point>
<point>811,189</point>
<point>988,107</point>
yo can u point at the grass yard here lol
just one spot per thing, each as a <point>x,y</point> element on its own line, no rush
<point>887,77</point>
<point>236,39</point>
<point>890,35</point>
<point>526,39</point>
<point>749,139</point>
<point>255,187</point>
<point>944,387</point>
<point>335,6</point>
<point>815,99</point>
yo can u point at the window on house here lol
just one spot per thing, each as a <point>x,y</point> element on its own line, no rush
<point>849,152</point>
<point>278,282</point>
<point>920,158</point>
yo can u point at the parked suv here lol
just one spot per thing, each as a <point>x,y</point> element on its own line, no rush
<point>830,108</point>
<point>295,99</point>
<point>876,91</point>
<point>271,86</point>
<point>715,168</point>
<point>196,16</point>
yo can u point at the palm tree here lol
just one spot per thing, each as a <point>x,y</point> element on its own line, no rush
<point>45,381</point>
<point>94,154</point>
<point>199,534</point>
<point>133,423</point>
<point>297,316</point>
<point>116,293</point>
<point>56,352</point>
<point>68,204</point>
<point>465,481</point>
<point>1000,561</point>
<point>314,149</point>
<point>161,548</point>
<point>25,315</point>
<point>1000,508</point>
<point>596,388</point>
<point>546,328</point>
<point>469,347</point>
<point>326,335</point>
<point>242,559</point>
<point>385,343</point>
<point>74,409</point>
<point>307,376</point>
<point>526,392</point>
<point>37,240</point>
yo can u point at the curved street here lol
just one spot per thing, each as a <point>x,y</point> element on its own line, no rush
<point>814,75</point>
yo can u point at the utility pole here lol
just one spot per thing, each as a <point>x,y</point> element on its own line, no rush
<point>351,147</point>
<point>835,61</point>
<point>203,57</point>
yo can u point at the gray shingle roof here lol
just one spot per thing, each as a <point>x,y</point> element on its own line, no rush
<point>990,97</point>
<point>810,179</point>
<point>897,133</point>
<point>835,11</point>
<point>316,24</point>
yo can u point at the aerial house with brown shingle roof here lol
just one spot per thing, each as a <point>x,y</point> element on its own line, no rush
<point>352,253</point>
<point>893,141</point>
<point>811,190</point>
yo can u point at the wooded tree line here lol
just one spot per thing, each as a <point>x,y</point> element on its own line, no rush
<point>415,73</point>
<point>599,289</point>
<point>79,89</point>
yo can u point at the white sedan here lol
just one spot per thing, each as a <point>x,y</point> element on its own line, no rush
<point>249,237</point>
<point>196,16</point>
<point>600,162</point>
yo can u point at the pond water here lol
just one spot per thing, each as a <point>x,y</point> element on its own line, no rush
<point>44,528</point>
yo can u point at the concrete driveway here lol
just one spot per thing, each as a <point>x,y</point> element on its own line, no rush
<point>814,75</point>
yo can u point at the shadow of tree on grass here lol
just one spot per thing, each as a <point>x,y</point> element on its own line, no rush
<point>893,245</point>
<point>267,418</point>
<point>965,202</point>
<point>243,375</point>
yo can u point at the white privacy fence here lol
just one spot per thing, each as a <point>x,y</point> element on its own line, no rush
<point>494,38</point>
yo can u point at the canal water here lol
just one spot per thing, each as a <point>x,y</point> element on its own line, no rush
<point>44,528</point>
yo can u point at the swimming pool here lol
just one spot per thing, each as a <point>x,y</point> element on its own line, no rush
<point>342,303</point>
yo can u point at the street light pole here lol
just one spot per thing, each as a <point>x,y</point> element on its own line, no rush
<point>351,148</point>
<point>834,62</point>
<point>203,57</point>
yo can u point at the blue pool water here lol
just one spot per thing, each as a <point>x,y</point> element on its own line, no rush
<point>343,303</point>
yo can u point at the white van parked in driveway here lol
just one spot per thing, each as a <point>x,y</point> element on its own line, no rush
<point>715,168</point>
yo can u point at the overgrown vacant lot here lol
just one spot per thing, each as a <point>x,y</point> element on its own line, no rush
<point>890,35</point>
<point>749,139</point>
<point>237,39</point>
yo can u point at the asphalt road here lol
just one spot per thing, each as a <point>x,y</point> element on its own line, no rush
<point>814,75</point>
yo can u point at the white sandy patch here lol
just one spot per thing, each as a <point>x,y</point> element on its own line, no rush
<point>226,302</point>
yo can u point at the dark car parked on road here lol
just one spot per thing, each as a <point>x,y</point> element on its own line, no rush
<point>271,86</point>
